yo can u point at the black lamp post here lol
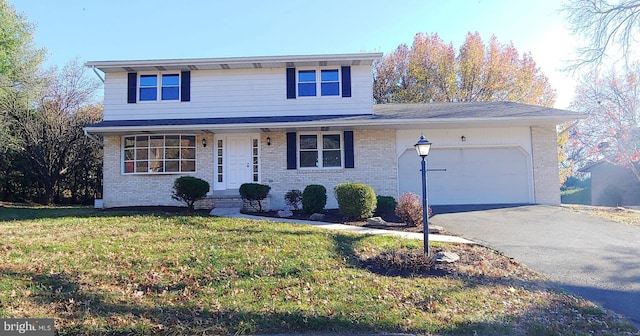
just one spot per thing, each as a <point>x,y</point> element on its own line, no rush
<point>423,146</point>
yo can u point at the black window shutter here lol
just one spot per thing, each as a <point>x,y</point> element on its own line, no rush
<point>291,150</point>
<point>291,83</point>
<point>185,86</point>
<point>132,83</point>
<point>346,81</point>
<point>349,161</point>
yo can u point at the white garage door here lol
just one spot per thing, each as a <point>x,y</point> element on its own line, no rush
<point>472,176</point>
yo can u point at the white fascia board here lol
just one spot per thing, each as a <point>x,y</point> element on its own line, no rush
<point>246,61</point>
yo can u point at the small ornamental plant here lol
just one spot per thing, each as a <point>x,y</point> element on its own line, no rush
<point>314,198</point>
<point>254,193</point>
<point>409,209</point>
<point>189,189</point>
<point>386,205</point>
<point>293,198</point>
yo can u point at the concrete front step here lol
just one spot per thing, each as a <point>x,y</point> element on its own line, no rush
<point>227,203</point>
<point>225,212</point>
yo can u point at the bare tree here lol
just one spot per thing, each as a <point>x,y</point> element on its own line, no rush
<point>52,145</point>
<point>610,132</point>
<point>608,27</point>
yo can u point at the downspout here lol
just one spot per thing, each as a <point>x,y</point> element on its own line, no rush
<point>97,74</point>
<point>87,134</point>
<point>93,138</point>
<point>568,127</point>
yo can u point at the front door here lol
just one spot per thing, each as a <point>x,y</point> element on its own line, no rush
<point>238,160</point>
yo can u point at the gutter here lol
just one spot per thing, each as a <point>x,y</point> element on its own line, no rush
<point>406,123</point>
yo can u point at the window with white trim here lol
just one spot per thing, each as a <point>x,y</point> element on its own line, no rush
<point>220,149</point>
<point>329,82</point>
<point>309,85</point>
<point>169,87</point>
<point>149,154</point>
<point>320,150</point>
<point>255,167</point>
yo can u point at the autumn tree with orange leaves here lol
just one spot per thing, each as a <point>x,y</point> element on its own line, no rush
<point>431,71</point>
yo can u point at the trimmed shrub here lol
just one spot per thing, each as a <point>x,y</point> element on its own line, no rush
<point>355,200</point>
<point>314,198</point>
<point>409,209</point>
<point>386,205</point>
<point>189,189</point>
<point>254,193</point>
<point>293,198</point>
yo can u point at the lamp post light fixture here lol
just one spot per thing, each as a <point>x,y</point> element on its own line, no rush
<point>423,146</point>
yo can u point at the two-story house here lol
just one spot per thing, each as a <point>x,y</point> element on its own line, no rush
<point>291,121</point>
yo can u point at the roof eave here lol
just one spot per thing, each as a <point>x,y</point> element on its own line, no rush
<point>375,123</point>
<point>237,62</point>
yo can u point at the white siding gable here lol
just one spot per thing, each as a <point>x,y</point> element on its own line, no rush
<point>238,93</point>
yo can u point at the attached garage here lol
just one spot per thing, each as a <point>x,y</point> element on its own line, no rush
<point>479,175</point>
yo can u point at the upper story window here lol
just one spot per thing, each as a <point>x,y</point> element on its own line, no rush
<point>169,89</point>
<point>309,86</point>
<point>307,82</point>
<point>159,86</point>
<point>320,150</point>
<point>148,87</point>
<point>159,154</point>
<point>330,85</point>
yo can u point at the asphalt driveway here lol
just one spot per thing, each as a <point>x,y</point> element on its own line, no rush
<point>588,256</point>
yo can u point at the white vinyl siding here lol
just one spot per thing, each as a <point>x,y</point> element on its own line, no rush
<point>239,93</point>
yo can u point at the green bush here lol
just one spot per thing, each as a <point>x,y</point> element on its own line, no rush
<point>355,200</point>
<point>386,205</point>
<point>254,193</point>
<point>189,189</point>
<point>314,198</point>
<point>293,198</point>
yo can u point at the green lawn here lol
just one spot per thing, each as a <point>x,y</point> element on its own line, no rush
<point>103,272</point>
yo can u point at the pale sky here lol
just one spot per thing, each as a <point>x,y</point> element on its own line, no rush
<point>144,29</point>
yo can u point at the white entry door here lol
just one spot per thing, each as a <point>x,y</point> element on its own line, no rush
<point>238,160</point>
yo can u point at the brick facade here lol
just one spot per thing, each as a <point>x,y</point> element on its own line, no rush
<point>375,164</point>
<point>546,178</point>
<point>147,189</point>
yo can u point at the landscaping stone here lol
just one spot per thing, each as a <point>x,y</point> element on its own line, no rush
<point>376,221</point>
<point>447,257</point>
<point>285,213</point>
<point>316,217</point>
<point>436,229</point>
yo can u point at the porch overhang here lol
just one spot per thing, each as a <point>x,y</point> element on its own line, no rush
<point>391,116</point>
<point>206,126</point>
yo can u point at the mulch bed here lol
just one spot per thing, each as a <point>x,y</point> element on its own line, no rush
<point>334,216</point>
